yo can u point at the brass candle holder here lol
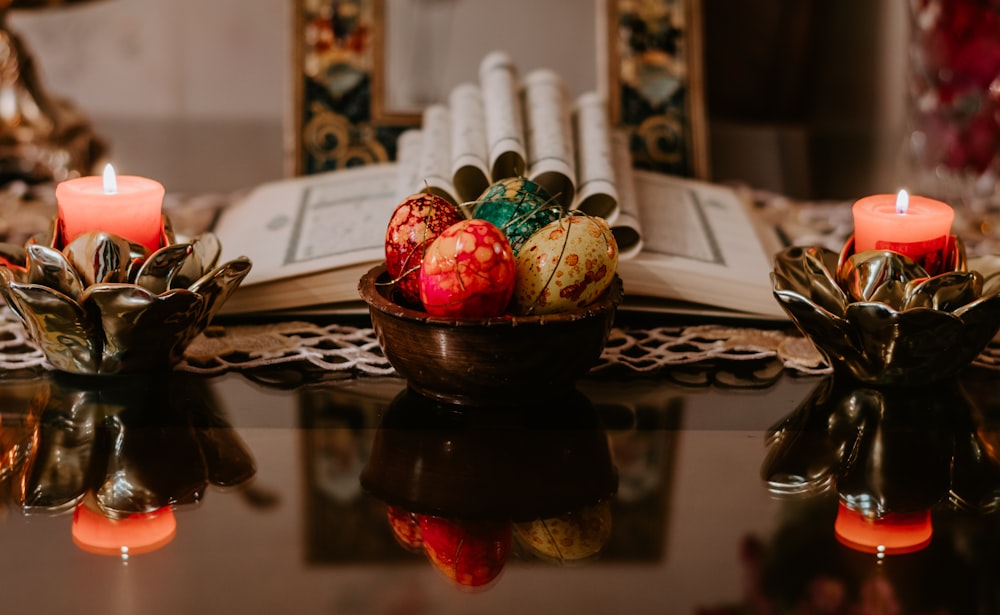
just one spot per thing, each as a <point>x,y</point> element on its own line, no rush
<point>883,318</point>
<point>103,306</point>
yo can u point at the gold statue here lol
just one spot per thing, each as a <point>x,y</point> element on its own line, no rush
<point>42,138</point>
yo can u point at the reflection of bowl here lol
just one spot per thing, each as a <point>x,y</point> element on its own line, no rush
<point>530,461</point>
<point>501,359</point>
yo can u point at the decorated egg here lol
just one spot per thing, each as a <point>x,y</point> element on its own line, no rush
<point>566,265</point>
<point>414,224</point>
<point>515,189</point>
<point>468,271</point>
<point>518,207</point>
<point>571,537</point>
<point>471,553</point>
<point>405,528</point>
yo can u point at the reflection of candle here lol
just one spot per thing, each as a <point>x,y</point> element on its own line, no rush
<point>131,535</point>
<point>914,226</point>
<point>891,534</point>
<point>127,206</point>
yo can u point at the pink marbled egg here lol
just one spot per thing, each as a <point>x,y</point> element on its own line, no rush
<point>468,271</point>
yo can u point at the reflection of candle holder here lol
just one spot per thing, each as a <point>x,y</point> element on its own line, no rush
<point>883,318</point>
<point>889,496</point>
<point>103,305</point>
<point>893,456</point>
<point>121,454</point>
<point>538,476</point>
<point>801,567</point>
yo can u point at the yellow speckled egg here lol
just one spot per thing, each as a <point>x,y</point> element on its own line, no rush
<point>571,537</point>
<point>565,265</point>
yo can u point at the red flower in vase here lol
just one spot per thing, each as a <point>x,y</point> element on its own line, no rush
<point>957,58</point>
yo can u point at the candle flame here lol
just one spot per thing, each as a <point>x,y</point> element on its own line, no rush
<point>110,180</point>
<point>902,202</point>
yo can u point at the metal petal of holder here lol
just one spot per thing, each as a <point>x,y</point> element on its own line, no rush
<point>885,320</point>
<point>104,306</point>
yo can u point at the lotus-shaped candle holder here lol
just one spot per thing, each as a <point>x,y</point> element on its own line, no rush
<point>884,319</point>
<point>103,305</point>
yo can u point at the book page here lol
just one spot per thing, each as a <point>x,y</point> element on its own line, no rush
<point>624,219</point>
<point>502,113</point>
<point>549,135</point>
<point>700,245</point>
<point>409,146</point>
<point>469,166</point>
<point>309,224</point>
<point>435,153</point>
<point>595,169</point>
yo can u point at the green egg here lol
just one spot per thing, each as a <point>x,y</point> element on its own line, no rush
<point>516,189</point>
<point>518,207</point>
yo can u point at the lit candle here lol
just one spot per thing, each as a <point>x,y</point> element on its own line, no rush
<point>914,226</point>
<point>127,206</point>
<point>892,534</point>
<point>131,535</point>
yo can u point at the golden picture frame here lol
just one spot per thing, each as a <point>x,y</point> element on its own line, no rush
<point>647,63</point>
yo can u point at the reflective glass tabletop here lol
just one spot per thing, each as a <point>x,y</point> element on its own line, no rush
<point>181,493</point>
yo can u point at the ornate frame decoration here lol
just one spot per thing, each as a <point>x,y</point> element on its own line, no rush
<point>651,73</point>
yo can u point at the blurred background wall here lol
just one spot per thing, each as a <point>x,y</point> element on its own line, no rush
<point>157,59</point>
<point>804,97</point>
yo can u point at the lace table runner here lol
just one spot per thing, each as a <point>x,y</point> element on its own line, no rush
<point>692,354</point>
<point>345,348</point>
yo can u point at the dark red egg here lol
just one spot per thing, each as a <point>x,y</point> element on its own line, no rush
<point>468,271</point>
<point>414,224</point>
<point>405,527</point>
<point>471,553</point>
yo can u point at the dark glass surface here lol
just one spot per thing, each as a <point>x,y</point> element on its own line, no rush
<point>720,500</point>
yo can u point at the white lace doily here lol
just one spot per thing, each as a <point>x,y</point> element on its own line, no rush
<point>676,351</point>
<point>341,348</point>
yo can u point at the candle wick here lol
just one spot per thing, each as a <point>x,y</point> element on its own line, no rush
<point>110,180</point>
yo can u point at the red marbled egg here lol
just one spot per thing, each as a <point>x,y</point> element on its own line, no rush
<point>405,527</point>
<point>471,553</point>
<point>414,224</point>
<point>468,271</point>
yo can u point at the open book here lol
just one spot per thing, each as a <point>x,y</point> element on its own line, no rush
<point>503,126</point>
<point>703,251</point>
<point>311,239</point>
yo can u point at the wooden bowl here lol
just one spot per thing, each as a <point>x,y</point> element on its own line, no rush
<point>534,460</point>
<point>493,360</point>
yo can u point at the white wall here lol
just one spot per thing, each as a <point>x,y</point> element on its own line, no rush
<point>204,61</point>
<point>166,58</point>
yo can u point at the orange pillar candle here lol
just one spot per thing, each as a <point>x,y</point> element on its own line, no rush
<point>127,206</point>
<point>893,534</point>
<point>917,227</point>
<point>131,535</point>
